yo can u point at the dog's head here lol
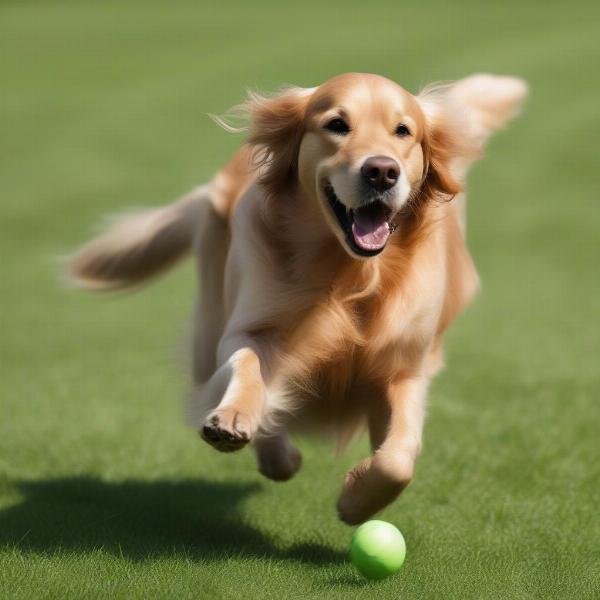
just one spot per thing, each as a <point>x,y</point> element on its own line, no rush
<point>362,149</point>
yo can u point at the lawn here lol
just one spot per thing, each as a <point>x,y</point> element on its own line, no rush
<point>105,493</point>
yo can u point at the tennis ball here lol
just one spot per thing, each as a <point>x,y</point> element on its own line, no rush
<point>377,549</point>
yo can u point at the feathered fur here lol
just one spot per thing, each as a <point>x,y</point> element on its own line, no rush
<point>293,327</point>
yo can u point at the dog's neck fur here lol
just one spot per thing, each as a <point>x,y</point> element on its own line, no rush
<point>299,235</point>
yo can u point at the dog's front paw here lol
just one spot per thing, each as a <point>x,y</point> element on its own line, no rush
<point>371,486</point>
<point>227,430</point>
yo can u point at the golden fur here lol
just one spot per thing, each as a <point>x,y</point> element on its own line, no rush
<point>293,328</point>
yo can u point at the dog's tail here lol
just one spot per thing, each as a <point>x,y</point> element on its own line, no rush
<point>139,245</point>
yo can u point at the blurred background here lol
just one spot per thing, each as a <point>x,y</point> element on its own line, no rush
<point>103,491</point>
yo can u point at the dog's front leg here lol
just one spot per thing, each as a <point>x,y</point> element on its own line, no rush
<point>234,396</point>
<point>395,426</point>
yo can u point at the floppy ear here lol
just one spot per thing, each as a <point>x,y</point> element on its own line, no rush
<point>461,117</point>
<point>440,146</point>
<point>276,129</point>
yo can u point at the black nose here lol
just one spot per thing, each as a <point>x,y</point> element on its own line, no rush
<point>381,172</point>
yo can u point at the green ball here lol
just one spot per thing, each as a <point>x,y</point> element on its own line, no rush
<point>377,549</point>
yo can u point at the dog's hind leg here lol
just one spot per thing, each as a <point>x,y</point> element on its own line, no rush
<point>278,459</point>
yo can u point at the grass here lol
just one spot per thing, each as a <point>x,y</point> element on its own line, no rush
<point>103,491</point>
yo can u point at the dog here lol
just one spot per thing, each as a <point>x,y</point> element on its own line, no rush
<point>332,259</point>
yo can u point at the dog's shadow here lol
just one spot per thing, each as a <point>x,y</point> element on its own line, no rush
<point>197,519</point>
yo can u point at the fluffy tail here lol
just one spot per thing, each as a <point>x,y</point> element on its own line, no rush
<point>138,246</point>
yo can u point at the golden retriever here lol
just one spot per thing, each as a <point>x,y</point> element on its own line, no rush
<point>332,259</point>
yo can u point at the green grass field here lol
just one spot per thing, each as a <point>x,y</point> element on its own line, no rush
<point>105,493</point>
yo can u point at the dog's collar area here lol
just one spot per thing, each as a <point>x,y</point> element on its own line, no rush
<point>348,222</point>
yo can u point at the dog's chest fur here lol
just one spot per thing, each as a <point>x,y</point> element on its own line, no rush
<point>343,350</point>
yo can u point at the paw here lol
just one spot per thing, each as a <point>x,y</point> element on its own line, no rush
<point>227,430</point>
<point>279,466</point>
<point>369,487</point>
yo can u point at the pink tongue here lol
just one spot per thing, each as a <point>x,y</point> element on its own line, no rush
<point>370,229</point>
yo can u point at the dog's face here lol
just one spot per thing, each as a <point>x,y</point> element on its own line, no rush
<point>361,157</point>
<point>361,148</point>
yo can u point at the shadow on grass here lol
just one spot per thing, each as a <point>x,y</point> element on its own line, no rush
<point>138,520</point>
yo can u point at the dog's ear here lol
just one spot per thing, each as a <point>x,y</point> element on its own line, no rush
<point>440,146</point>
<point>460,118</point>
<point>275,132</point>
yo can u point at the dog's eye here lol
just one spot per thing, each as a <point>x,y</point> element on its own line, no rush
<point>338,126</point>
<point>402,130</point>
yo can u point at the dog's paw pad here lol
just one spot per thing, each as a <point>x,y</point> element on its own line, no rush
<point>225,432</point>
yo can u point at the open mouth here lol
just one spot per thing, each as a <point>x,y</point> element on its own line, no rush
<point>367,228</point>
